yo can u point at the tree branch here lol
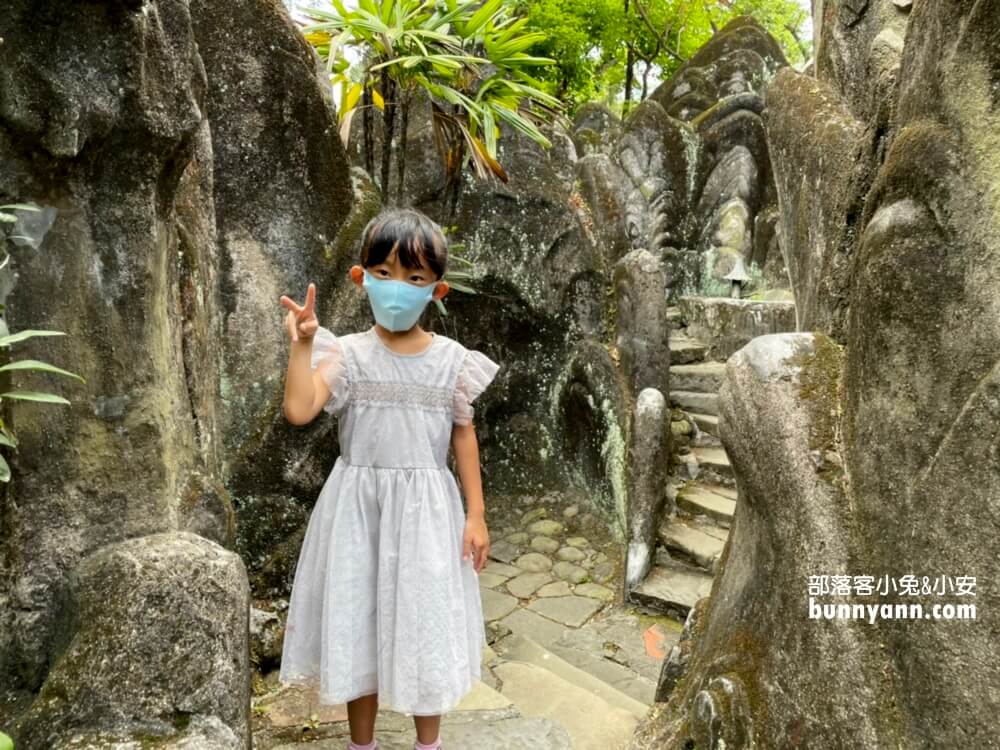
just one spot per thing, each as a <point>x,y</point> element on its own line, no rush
<point>660,40</point>
<point>795,36</point>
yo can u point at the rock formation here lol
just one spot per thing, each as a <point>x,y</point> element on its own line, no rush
<point>192,159</point>
<point>865,445</point>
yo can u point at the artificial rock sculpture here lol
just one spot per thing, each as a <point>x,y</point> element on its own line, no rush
<point>867,446</point>
<point>197,175</point>
<point>690,174</point>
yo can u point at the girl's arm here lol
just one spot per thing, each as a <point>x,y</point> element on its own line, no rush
<point>305,389</point>
<point>466,447</point>
<point>476,539</point>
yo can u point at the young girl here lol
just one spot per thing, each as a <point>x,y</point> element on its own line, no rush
<point>385,600</point>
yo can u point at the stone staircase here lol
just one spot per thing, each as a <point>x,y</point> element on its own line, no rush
<point>690,543</point>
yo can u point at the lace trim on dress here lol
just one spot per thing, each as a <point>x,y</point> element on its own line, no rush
<point>403,394</point>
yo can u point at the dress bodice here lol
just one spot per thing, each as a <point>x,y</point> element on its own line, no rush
<point>397,410</point>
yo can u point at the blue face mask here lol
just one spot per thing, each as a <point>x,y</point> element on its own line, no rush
<point>397,304</point>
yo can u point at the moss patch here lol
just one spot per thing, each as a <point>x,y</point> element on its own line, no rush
<point>820,388</point>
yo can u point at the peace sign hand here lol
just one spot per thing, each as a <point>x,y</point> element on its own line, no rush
<point>301,321</point>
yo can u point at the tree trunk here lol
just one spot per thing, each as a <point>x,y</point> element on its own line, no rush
<point>388,132</point>
<point>629,62</point>
<point>369,139</point>
<point>404,104</point>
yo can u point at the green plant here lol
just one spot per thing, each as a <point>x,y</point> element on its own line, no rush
<point>6,743</point>
<point>456,252</point>
<point>443,47</point>
<point>7,339</point>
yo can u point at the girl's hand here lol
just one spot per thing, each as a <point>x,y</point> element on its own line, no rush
<point>477,540</point>
<point>301,321</point>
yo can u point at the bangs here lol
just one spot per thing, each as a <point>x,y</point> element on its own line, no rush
<point>418,241</point>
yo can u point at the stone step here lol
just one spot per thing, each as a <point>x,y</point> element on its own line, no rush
<point>705,377</point>
<point>703,403</point>
<point>672,587</point>
<point>615,648</point>
<point>708,423</point>
<point>684,350</point>
<point>674,318</point>
<point>526,649</point>
<point>693,540</point>
<point>715,463</point>
<point>540,684</point>
<point>700,498</point>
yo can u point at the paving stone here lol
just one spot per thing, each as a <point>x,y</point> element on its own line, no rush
<point>571,554</point>
<point>594,591</point>
<point>490,580</point>
<point>556,588</point>
<point>522,733</point>
<point>571,511</point>
<point>588,563</point>
<point>462,729</point>
<point>526,584</point>
<point>501,569</point>
<point>522,621</point>
<point>578,541</point>
<point>570,572</point>
<point>625,630</point>
<point>533,515</point>
<point>544,544</point>
<point>592,723</point>
<point>518,537</point>
<point>569,610</point>
<point>534,562</point>
<point>546,527</point>
<point>504,551</point>
<point>292,705</point>
<point>602,572</point>
<point>496,604</point>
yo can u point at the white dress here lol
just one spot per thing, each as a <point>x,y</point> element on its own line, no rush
<point>382,600</point>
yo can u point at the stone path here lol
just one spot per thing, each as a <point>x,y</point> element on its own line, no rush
<point>568,665</point>
<point>691,542</point>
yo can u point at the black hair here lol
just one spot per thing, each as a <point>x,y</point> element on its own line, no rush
<point>419,240</point>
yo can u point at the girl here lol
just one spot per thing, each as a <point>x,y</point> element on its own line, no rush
<point>385,599</point>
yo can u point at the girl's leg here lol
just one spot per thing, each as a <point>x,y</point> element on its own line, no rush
<point>428,729</point>
<point>361,714</point>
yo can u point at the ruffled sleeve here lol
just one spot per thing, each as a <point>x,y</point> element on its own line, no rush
<point>476,372</point>
<point>328,360</point>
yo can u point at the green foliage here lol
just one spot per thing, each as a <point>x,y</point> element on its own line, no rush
<point>469,57</point>
<point>456,279</point>
<point>597,42</point>
<point>9,217</point>
<point>6,743</point>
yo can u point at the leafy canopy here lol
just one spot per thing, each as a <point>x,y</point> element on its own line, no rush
<point>591,40</point>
